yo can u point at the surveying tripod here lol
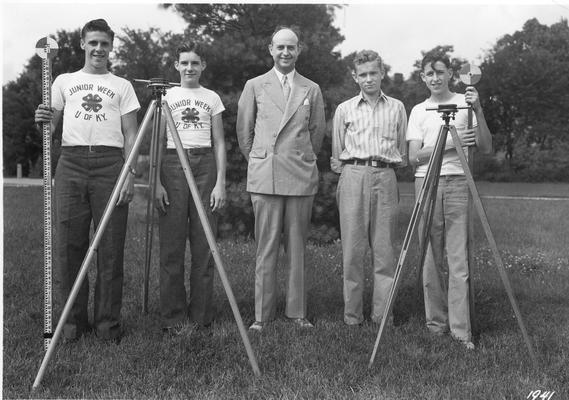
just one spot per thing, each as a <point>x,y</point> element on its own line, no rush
<point>155,109</point>
<point>426,199</point>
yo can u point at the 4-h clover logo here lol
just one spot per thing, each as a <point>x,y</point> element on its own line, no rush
<point>92,102</point>
<point>190,115</point>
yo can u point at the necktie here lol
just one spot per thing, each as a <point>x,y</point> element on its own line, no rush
<point>286,88</point>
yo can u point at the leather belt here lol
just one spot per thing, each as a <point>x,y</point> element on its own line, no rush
<point>91,149</point>
<point>369,163</point>
<point>193,150</point>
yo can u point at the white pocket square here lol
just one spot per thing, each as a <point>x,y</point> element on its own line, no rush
<point>306,102</point>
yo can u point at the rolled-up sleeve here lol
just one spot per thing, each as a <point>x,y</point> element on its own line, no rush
<point>338,135</point>
<point>401,136</point>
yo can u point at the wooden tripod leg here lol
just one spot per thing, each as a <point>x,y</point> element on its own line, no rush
<point>477,202</point>
<point>94,244</point>
<point>425,237</point>
<point>156,144</point>
<point>209,236</point>
<point>433,170</point>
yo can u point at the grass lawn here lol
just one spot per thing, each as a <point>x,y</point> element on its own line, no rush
<point>518,189</point>
<point>328,362</point>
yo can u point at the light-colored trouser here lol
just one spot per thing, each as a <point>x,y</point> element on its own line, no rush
<point>275,215</point>
<point>368,202</point>
<point>448,307</point>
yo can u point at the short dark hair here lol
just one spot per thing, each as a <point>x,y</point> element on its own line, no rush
<point>97,25</point>
<point>364,56</point>
<point>294,28</point>
<point>191,47</point>
<point>432,58</point>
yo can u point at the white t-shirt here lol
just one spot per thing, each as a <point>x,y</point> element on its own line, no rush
<point>425,125</point>
<point>192,110</point>
<point>92,107</point>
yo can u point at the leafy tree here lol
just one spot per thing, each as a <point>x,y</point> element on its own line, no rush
<point>525,84</point>
<point>241,35</point>
<point>145,55</point>
<point>238,36</point>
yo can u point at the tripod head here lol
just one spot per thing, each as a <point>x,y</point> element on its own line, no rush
<point>447,111</point>
<point>158,86</point>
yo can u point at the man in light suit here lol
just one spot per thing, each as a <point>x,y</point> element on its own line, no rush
<point>280,127</point>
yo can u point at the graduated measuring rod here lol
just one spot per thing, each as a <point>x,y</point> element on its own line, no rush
<point>97,236</point>
<point>46,48</point>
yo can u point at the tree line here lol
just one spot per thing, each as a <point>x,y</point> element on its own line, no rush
<point>524,89</point>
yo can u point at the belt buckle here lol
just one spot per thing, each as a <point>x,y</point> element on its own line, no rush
<point>91,149</point>
<point>374,163</point>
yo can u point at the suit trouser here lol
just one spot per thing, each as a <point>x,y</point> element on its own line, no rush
<point>180,222</point>
<point>275,215</point>
<point>84,183</point>
<point>448,307</point>
<point>368,203</point>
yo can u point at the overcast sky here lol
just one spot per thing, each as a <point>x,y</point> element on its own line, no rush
<point>398,31</point>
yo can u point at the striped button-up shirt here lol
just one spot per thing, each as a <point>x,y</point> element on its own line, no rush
<point>369,131</point>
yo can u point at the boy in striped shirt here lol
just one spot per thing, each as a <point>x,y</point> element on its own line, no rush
<point>368,142</point>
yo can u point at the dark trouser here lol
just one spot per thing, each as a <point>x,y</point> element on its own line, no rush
<point>84,183</point>
<point>180,222</point>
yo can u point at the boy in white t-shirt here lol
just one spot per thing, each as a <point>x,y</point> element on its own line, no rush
<point>446,308</point>
<point>197,114</point>
<point>99,130</point>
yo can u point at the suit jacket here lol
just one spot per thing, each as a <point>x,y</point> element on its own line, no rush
<point>281,140</point>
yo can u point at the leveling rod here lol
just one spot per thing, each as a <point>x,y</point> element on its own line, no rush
<point>46,48</point>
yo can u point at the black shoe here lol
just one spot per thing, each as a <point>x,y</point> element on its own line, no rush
<point>302,323</point>
<point>74,336</point>
<point>257,327</point>
<point>174,330</point>
<point>116,339</point>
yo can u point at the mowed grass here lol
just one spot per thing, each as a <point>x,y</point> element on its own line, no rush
<point>328,362</point>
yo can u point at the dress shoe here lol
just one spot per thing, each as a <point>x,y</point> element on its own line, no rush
<point>388,323</point>
<point>174,330</point>
<point>257,326</point>
<point>466,343</point>
<point>303,323</point>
